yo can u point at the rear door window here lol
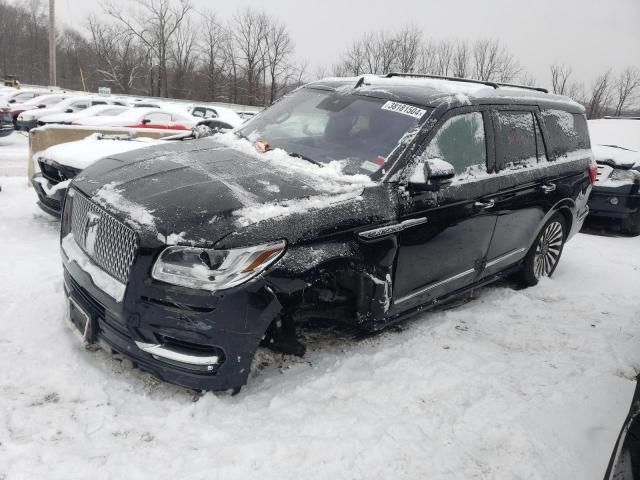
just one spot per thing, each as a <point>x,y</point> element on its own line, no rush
<point>461,142</point>
<point>516,144</point>
<point>567,132</point>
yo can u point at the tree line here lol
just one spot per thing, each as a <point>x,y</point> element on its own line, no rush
<point>167,48</point>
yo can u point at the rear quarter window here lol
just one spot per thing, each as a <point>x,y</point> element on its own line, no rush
<point>567,132</point>
<point>515,140</point>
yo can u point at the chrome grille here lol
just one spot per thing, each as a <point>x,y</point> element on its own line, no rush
<point>114,246</point>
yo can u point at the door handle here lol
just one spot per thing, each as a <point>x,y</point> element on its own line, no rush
<point>548,187</point>
<point>485,205</point>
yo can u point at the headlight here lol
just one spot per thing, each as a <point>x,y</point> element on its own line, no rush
<point>209,269</point>
<point>625,175</point>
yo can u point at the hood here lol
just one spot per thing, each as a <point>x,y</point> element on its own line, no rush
<point>198,192</point>
<point>617,156</point>
<point>82,153</point>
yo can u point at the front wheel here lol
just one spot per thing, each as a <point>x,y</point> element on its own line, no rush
<point>544,255</point>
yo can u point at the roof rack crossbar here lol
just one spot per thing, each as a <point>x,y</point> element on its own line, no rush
<point>465,80</point>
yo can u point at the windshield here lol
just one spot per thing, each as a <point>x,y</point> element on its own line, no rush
<point>323,126</point>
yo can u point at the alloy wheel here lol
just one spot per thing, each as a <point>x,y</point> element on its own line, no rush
<point>548,250</point>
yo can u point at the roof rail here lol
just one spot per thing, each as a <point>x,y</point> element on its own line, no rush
<point>465,80</point>
<point>527,87</point>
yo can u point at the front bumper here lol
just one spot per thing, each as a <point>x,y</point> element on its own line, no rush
<point>51,203</point>
<point>26,125</point>
<point>192,325</point>
<point>6,129</point>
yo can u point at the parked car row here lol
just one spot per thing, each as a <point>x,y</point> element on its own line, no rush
<point>361,201</point>
<point>32,108</point>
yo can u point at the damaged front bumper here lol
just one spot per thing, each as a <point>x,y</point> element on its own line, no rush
<point>194,339</point>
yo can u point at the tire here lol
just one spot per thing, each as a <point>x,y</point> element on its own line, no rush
<point>631,224</point>
<point>544,255</point>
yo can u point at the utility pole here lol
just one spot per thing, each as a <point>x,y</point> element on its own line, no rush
<point>52,42</point>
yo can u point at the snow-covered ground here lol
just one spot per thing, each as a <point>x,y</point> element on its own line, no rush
<point>526,384</point>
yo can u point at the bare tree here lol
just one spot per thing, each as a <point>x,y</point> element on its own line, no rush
<point>560,75</point>
<point>155,23</point>
<point>461,58</point>
<point>599,96</point>
<point>408,41</point>
<point>212,51</point>
<point>249,31</point>
<point>182,51</point>
<point>120,60</point>
<point>492,62</point>
<point>444,52</point>
<point>279,49</point>
<point>625,87</point>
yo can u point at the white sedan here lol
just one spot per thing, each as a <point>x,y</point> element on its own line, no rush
<point>95,111</point>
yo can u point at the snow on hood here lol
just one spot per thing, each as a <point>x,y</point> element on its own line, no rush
<point>620,132</point>
<point>82,153</point>
<point>110,197</point>
<point>617,156</point>
<point>333,184</point>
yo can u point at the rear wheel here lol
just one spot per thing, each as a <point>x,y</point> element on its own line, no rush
<point>544,255</point>
<point>631,224</point>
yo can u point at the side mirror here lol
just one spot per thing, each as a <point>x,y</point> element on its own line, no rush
<point>13,100</point>
<point>146,121</point>
<point>42,105</point>
<point>68,110</point>
<point>431,175</point>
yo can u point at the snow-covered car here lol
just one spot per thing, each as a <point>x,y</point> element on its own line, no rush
<point>222,114</point>
<point>61,163</point>
<point>339,202</point>
<point>144,117</point>
<point>29,119</point>
<point>616,194</point>
<point>6,122</point>
<point>18,96</point>
<point>47,100</point>
<point>95,111</point>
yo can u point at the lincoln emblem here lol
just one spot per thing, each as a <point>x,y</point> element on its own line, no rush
<point>91,225</point>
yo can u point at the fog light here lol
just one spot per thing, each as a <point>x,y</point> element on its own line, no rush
<point>613,200</point>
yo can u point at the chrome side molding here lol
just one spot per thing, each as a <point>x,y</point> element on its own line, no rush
<point>389,229</point>
<point>434,285</point>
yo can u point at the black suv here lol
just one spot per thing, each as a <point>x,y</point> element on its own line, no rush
<point>350,200</point>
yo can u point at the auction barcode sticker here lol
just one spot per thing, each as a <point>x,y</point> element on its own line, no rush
<point>404,109</point>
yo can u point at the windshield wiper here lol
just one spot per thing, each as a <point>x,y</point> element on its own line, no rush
<point>304,157</point>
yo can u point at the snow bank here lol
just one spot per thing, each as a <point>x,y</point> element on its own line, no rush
<point>530,383</point>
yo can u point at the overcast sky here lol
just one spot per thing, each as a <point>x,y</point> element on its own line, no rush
<point>590,35</point>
